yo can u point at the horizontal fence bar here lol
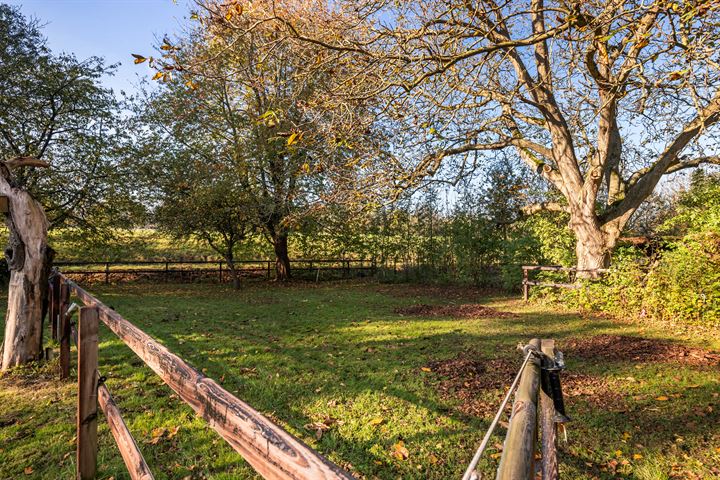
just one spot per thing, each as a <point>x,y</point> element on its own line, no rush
<point>537,283</point>
<point>202,262</point>
<point>562,269</point>
<point>270,450</point>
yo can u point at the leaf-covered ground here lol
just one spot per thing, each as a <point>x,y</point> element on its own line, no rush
<point>384,394</point>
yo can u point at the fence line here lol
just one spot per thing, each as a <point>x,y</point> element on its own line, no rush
<point>571,271</point>
<point>220,269</point>
<point>269,449</point>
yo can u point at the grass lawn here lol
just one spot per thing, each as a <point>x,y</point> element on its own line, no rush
<point>334,365</point>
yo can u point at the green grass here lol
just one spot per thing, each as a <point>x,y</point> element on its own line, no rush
<point>305,353</point>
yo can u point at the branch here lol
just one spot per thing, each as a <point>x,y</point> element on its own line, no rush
<point>645,180</point>
<point>18,162</point>
<point>534,208</point>
<point>680,164</point>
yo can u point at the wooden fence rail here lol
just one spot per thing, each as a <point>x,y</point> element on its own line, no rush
<point>531,409</point>
<point>527,282</point>
<point>213,268</point>
<point>270,450</point>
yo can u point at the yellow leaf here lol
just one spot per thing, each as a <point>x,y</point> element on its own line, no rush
<point>157,434</point>
<point>425,369</point>
<point>158,75</point>
<point>228,16</point>
<point>662,398</point>
<point>191,85</point>
<point>637,456</point>
<point>618,453</point>
<point>377,421</point>
<point>138,58</point>
<point>306,167</point>
<point>166,47</point>
<point>400,451</point>
<point>292,139</point>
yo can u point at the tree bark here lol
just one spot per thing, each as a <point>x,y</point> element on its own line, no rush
<point>282,259</point>
<point>29,259</point>
<point>234,273</point>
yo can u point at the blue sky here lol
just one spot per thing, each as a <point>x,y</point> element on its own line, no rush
<point>112,29</point>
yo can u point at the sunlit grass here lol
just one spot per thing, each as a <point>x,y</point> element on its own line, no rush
<point>336,355</point>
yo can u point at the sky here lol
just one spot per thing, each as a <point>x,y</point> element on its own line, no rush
<point>112,29</point>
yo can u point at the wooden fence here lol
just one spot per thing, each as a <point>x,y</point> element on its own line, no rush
<point>533,415</point>
<point>270,450</point>
<point>191,269</point>
<point>267,447</point>
<point>572,272</point>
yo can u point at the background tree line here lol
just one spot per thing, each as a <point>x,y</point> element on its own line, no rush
<point>329,126</point>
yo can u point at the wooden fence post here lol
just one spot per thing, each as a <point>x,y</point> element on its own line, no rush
<point>518,456</point>
<point>107,273</point>
<point>526,286</point>
<point>64,330</point>
<point>87,393</point>
<point>167,266</point>
<point>547,424</point>
<point>54,295</point>
<point>220,271</point>
<point>268,269</point>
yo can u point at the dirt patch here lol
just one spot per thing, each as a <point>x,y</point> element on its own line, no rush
<point>467,310</point>
<point>480,385</point>
<point>454,292</point>
<point>618,347</point>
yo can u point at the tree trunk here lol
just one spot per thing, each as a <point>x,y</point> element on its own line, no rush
<point>282,260</point>
<point>592,248</point>
<point>234,273</point>
<point>591,254</point>
<point>29,259</point>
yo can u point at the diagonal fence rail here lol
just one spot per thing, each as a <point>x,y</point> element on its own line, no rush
<point>267,447</point>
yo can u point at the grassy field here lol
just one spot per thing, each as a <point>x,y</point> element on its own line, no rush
<point>383,394</point>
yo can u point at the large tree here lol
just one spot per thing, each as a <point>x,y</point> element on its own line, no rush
<point>53,112</point>
<point>600,98</point>
<point>244,101</point>
<point>53,108</point>
<point>205,203</point>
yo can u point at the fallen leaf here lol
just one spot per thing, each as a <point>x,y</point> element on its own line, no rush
<point>29,470</point>
<point>425,369</point>
<point>662,398</point>
<point>377,421</point>
<point>173,432</point>
<point>637,456</point>
<point>400,451</point>
<point>157,435</point>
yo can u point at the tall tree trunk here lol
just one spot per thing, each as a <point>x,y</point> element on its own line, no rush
<point>282,260</point>
<point>29,259</point>
<point>234,273</point>
<point>591,247</point>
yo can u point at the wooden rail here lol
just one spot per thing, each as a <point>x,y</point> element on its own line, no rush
<point>214,268</point>
<point>270,450</point>
<point>519,451</point>
<point>571,271</point>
